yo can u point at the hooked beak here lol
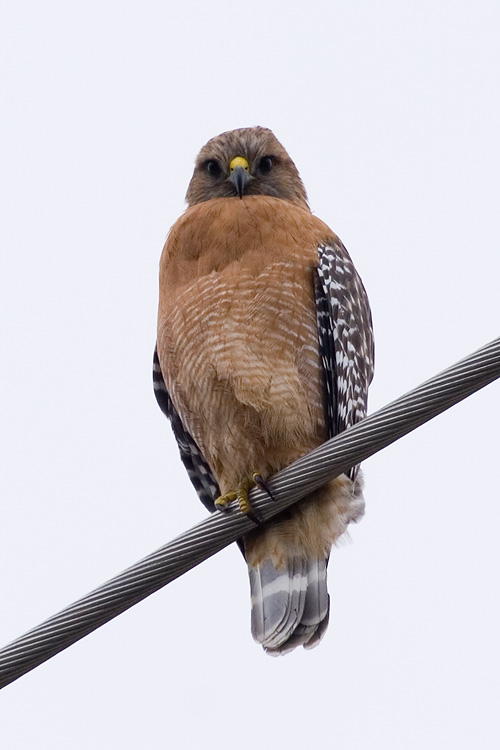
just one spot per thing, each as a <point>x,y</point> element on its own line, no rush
<point>239,168</point>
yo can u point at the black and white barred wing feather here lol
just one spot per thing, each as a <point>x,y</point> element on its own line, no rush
<point>345,338</point>
<point>197,468</point>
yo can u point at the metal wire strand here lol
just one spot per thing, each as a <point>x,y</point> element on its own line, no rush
<point>220,529</point>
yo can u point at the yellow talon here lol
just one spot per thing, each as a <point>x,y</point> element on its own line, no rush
<point>224,500</point>
<point>243,500</point>
<point>241,495</point>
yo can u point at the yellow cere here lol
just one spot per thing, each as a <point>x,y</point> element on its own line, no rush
<point>238,161</point>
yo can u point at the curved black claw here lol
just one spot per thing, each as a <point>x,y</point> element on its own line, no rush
<point>263,486</point>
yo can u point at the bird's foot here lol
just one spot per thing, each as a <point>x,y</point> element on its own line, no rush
<point>224,500</point>
<point>241,495</point>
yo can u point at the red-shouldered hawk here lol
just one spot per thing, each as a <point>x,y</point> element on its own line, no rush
<point>264,351</point>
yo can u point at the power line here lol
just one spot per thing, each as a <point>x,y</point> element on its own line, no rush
<point>220,529</point>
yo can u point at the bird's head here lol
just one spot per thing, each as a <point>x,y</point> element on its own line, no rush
<point>248,161</point>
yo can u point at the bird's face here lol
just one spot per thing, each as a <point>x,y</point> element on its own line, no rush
<point>248,161</point>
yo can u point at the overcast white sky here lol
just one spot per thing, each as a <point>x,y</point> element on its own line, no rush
<point>391,112</point>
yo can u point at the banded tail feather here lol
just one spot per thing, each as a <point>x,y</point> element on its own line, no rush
<point>290,606</point>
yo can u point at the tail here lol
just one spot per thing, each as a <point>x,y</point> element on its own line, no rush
<point>287,561</point>
<point>290,606</point>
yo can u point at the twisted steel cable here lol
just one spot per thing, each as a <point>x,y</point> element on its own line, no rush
<point>220,529</point>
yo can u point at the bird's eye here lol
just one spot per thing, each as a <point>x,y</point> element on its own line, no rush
<point>266,164</point>
<point>213,168</point>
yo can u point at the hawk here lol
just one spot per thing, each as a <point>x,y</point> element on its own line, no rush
<point>264,351</point>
